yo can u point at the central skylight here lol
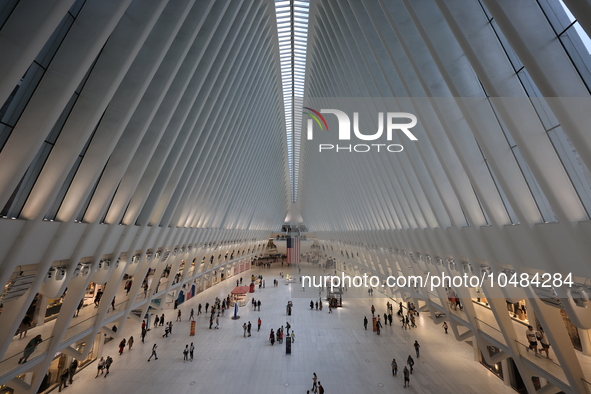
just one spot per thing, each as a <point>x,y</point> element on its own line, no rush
<point>292,31</point>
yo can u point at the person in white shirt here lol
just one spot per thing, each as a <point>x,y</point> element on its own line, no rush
<point>531,338</point>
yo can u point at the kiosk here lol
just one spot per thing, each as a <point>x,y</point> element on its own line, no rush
<point>335,297</point>
<point>239,295</point>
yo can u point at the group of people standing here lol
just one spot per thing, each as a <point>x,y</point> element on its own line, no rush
<point>278,335</point>
<point>256,304</point>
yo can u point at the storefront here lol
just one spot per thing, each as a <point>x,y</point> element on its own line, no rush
<point>497,368</point>
<point>61,362</point>
<point>54,305</point>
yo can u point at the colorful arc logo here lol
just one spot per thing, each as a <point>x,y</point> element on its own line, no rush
<point>317,117</point>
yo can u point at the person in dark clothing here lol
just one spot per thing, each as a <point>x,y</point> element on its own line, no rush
<point>406,376</point>
<point>30,348</point>
<point>108,363</point>
<point>64,379</point>
<point>365,322</point>
<point>320,388</point>
<point>24,327</point>
<point>410,362</point>
<point>73,368</point>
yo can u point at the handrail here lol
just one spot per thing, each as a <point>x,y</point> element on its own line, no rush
<point>11,362</point>
<point>539,361</point>
<point>80,327</point>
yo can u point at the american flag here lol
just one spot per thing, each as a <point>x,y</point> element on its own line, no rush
<point>293,250</point>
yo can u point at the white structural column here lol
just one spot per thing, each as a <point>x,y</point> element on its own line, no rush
<point>23,35</point>
<point>533,39</point>
<point>71,62</point>
<point>127,38</point>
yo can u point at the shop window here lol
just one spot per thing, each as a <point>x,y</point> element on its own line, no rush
<point>497,368</point>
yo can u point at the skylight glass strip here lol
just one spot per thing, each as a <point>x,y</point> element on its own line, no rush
<point>292,32</point>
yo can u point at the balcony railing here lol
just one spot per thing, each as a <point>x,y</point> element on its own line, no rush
<point>11,361</point>
<point>80,327</point>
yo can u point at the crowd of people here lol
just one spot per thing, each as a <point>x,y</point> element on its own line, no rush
<point>216,309</point>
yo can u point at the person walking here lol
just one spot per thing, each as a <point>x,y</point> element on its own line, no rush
<point>100,367</point>
<point>272,337</point>
<point>390,319</point>
<point>199,309</point>
<point>210,321</point>
<point>314,382</point>
<point>217,322</point>
<point>248,327</point>
<point>73,368</point>
<point>406,376</point>
<point>320,388</point>
<point>153,353</point>
<point>186,353</point>
<point>417,346</point>
<point>25,325</point>
<point>445,326</point>
<point>130,342</point>
<point>191,350</point>
<point>287,326</point>
<point>365,322</point>
<point>373,310</point>
<point>206,306</point>
<point>259,322</point>
<point>63,380</point>
<point>378,326</point>
<point>244,328</point>
<point>394,367</point>
<point>259,305</point>
<point>97,298</point>
<point>162,320</point>
<point>122,346</point>
<point>191,315</point>
<point>80,305</point>
<point>531,338</point>
<point>292,336</point>
<point>410,362</point>
<point>156,321</point>
<point>143,334</point>
<point>178,315</point>
<point>108,363</point>
<point>30,348</point>
<point>541,336</point>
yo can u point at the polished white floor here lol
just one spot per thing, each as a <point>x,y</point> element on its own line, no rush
<point>346,358</point>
